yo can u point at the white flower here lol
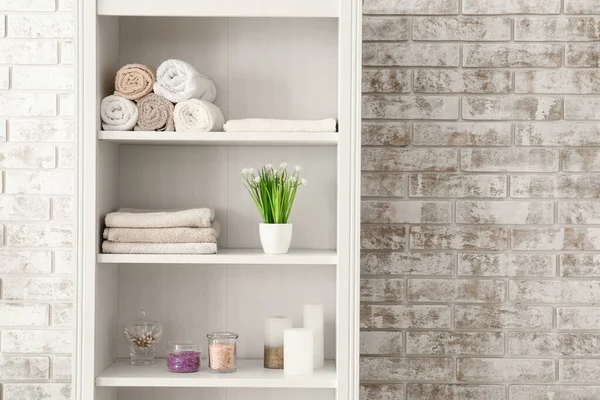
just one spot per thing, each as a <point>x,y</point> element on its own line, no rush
<point>304,182</point>
<point>256,179</point>
<point>298,168</point>
<point>269,166</point>
<point>294,180</point>
<point>245,171</point>
<point>251,171</point>
<point>283,165</point>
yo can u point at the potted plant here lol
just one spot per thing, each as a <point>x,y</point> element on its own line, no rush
<point>273,191</point>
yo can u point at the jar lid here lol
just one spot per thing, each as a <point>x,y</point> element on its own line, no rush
<point>222,335</point>
<point>185,345</point>
<point>144,320</point>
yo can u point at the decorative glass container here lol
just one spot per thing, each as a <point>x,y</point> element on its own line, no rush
<point>143,334</point>
<point>222,352</point>
<point>183,356</point>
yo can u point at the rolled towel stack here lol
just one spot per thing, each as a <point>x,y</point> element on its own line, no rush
<point>176,82</point>
<point>133,231</point>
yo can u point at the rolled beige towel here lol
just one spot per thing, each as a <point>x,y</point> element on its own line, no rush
<point>155,114</point>
<point>134,81</point>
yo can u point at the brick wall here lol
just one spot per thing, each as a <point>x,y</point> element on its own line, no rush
<point>37,139</point>
<point>481,210</point>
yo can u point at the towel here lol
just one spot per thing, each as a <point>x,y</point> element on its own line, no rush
<point>155,114</point>
<point>178,81</point>
<point>128,218</point>
<point>280,125</point>
<point>164,235</point>
<point>118,113</point>
<point>134,81</point>
<point>159,248</point>
<point>197,115</point>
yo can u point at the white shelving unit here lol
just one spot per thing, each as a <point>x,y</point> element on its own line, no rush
<point>296,59</point>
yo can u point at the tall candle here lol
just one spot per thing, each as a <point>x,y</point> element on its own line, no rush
<point>298,351</point>
<point>313,320</point>
<point>274,327</point>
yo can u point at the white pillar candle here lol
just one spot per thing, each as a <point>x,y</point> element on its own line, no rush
<point>274,327</point>
<point>313,320</point>
<point>298,351</point>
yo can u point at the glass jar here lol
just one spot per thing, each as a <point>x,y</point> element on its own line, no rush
<point>183,356</point>
<point>222,352</point>
<point>143,334</point>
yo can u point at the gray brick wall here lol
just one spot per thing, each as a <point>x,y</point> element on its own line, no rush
<point>37,177</point>
<point>481,200</point>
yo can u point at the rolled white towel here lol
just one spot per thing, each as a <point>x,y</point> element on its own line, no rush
<point>197,115</point>
<point>178,81</point>
<point>280,125</point>
<point>118,113</point>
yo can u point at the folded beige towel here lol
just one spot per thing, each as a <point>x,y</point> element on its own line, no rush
<point>164,235</point>
<point>134,81</point>
<point>133,218</point>
<point>159,248</point>
<point>155,114</point>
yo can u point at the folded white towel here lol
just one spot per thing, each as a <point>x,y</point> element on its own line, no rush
<point>195,115</point>
<point>194,218</point>
<point>164,235</point>
<point>177,81</point>
<point>280,125</point>
<point>159,248</point>
<point>118,113</point>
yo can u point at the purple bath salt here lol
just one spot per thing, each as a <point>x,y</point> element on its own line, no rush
<point>185,361</point>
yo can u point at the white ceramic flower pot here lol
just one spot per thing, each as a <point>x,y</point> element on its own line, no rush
<point>275,238</point>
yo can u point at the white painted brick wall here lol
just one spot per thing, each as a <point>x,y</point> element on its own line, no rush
<point>480,263</point>
<point>37,138</point>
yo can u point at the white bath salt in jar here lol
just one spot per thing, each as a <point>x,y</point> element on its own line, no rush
<point>222,352</point>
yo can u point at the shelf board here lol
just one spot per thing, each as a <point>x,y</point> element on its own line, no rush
<point>221,138</point>
<point>221,8</point>
<point>228,256</point>
<point>250,374</point>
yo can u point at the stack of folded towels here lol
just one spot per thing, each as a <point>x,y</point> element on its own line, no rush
<point>133,231</point>
<point>177,98</point>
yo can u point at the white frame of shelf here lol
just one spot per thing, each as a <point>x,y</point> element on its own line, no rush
<point>250,374</point>
<point>222,8</point>
<point>228,256</point>
<point>349,15</point>
<point>221,138</point>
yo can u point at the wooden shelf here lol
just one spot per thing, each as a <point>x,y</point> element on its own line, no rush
<point>228,256</point>
<point>250,374</point>
<point>221,138</point>
<point>221,8</point>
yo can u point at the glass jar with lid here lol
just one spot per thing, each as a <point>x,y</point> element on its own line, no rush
<point>143,334</point>
<point>222,352</point>
<point>183,356</point>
